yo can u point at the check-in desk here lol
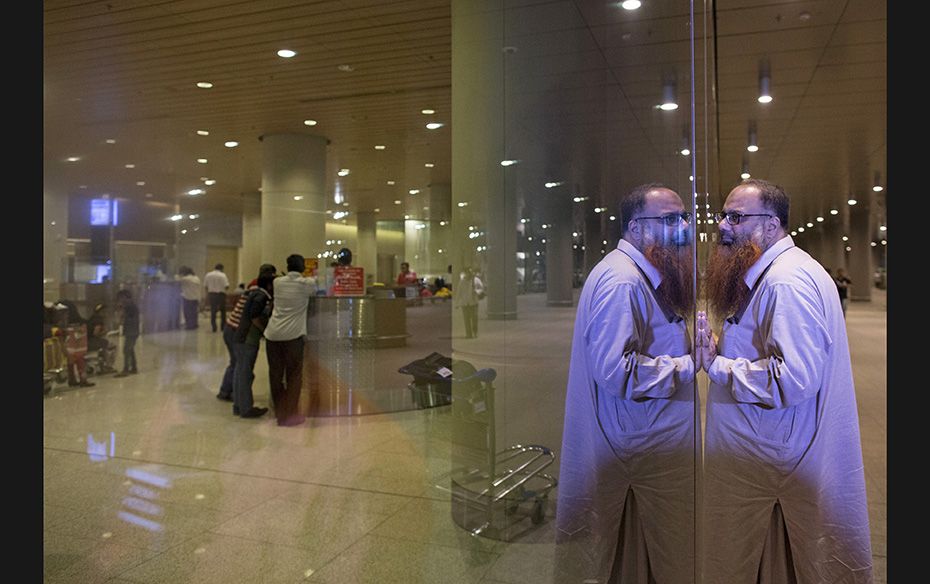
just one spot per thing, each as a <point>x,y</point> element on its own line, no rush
<point>340,365</point>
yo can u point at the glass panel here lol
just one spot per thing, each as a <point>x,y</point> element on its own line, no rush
<point>562,109</point>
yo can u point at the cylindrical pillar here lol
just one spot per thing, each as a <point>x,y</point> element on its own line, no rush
<point>833,255</point>
<point>293,196</point>
<point>250,254</point>
<point>859,258</point>
<point>559,251</point>
<point>366,256</point>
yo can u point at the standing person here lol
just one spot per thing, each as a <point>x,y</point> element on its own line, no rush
<point>468,291</point>
<point>842,287</point>
<point>406,277</point>
<point>190,296</point>
<point>216,283</point>
<point>247,338</point>
<point>784,486</point>
<point>625,509</point>
<point>285,335</point>
<point>129,319</point>
<point>229,333</point>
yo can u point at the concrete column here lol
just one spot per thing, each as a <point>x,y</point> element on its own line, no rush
<point>293,214</point>
<point>559,251</point>
<point>592,238</point>
<point>54,245</point>
<point>367,254</point>
<point>859,258</point>
<point>833,255</point>
<point>250,254</point>
<point>478,146</point>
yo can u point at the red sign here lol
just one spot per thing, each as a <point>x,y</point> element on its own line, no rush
<point>348,281</point>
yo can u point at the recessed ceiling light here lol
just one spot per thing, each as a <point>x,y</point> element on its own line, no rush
<point>429,165</point>
<point>630,4</point>
<point>309,122</point>
<point>834,212</point>
<point>287,53</point>
<point>397,202</point>
<point>193,192</point>
<point>852,201</point>
<point>298,197</point>
<point>111,141</point>
<point>390,183</point>
<point>752,148</point>
<point>149,195</point>
<point>73,159</point>
<point>202,160</point>
<point>130,165</point>
<point>413,191</point>
<point>433,125</point>
<point>346,68</point>
<point>209,182</point>
<point>804,16</point>
<point>626,36</point>
<point>819,219</point>
<point>343,172</point>
<point>204,84</point>
<point>380,146</point>
<point>140,183</point>
<point>82,187</point>
<point>203,133</point>
<point>427,111</point>
<point>231,144</point>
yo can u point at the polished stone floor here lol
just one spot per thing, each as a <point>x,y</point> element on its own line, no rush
<point>150,479</point>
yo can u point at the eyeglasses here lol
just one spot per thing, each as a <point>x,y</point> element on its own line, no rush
<point>733,218</point>
<point>670,219</point>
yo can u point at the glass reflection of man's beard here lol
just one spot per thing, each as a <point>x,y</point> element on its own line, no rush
<point>724,281</point>
<point>676,266</point>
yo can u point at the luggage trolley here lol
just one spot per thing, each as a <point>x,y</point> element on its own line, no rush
<point>493,492</point>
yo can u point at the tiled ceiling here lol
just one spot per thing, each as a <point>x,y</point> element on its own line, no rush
<point>581,91</point>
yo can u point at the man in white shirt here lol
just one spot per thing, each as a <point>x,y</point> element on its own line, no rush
<point>190,296</point>
<point>625,508</point>
<point>784,486</point>
<point>216,283</point>
<point>285,340</point>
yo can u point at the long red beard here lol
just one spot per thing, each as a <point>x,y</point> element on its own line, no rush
<point>676,265</point>
<point>724,279</point>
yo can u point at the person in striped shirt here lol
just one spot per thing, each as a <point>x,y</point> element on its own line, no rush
<point>232,324</point>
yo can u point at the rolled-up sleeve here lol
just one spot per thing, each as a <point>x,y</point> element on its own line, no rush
<point>795,344</point>
<point>614,337</point>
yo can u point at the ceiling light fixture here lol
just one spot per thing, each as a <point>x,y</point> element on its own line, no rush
<point>630,4</point>
<point>752,144</point>
<point>309,122</point>
<point>429,165</point>
<point>390,183</point>
<point>204,84</point>
<point>209,182</point>
<point>343,172</point>
<point>203,133</point>
<point>73,158</point>
<point>428,111</point>
<point>287,53</point>
<point>111,141</point>
<point>434,125</point>
<point>231,144</point>
<point>852,201</point>
<point>765,82</point>
<point>744,173</point>
<point>200,160</point>
<point>686,141</point>
<point>130,165</point>
<point>877,183</point>
<point>380,146</point>
<point>668,96</point>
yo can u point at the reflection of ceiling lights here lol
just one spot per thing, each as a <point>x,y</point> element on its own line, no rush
<point>752,143</point>
<point>287,53</point>
<point>765,83</point>
<point>668,96</point>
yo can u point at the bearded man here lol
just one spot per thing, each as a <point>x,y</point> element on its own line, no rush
<point>784,488</point>
<point>626,487</point>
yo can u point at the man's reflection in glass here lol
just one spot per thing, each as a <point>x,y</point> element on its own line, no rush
<point>626,489</point>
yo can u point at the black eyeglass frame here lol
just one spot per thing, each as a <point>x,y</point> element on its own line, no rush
<point>719,216</point>
<point>671,219</point>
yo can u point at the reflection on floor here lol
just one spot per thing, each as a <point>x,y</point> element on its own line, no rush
<point>149,478</point>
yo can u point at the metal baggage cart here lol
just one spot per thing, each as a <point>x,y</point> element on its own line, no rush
<point>495,494</point>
